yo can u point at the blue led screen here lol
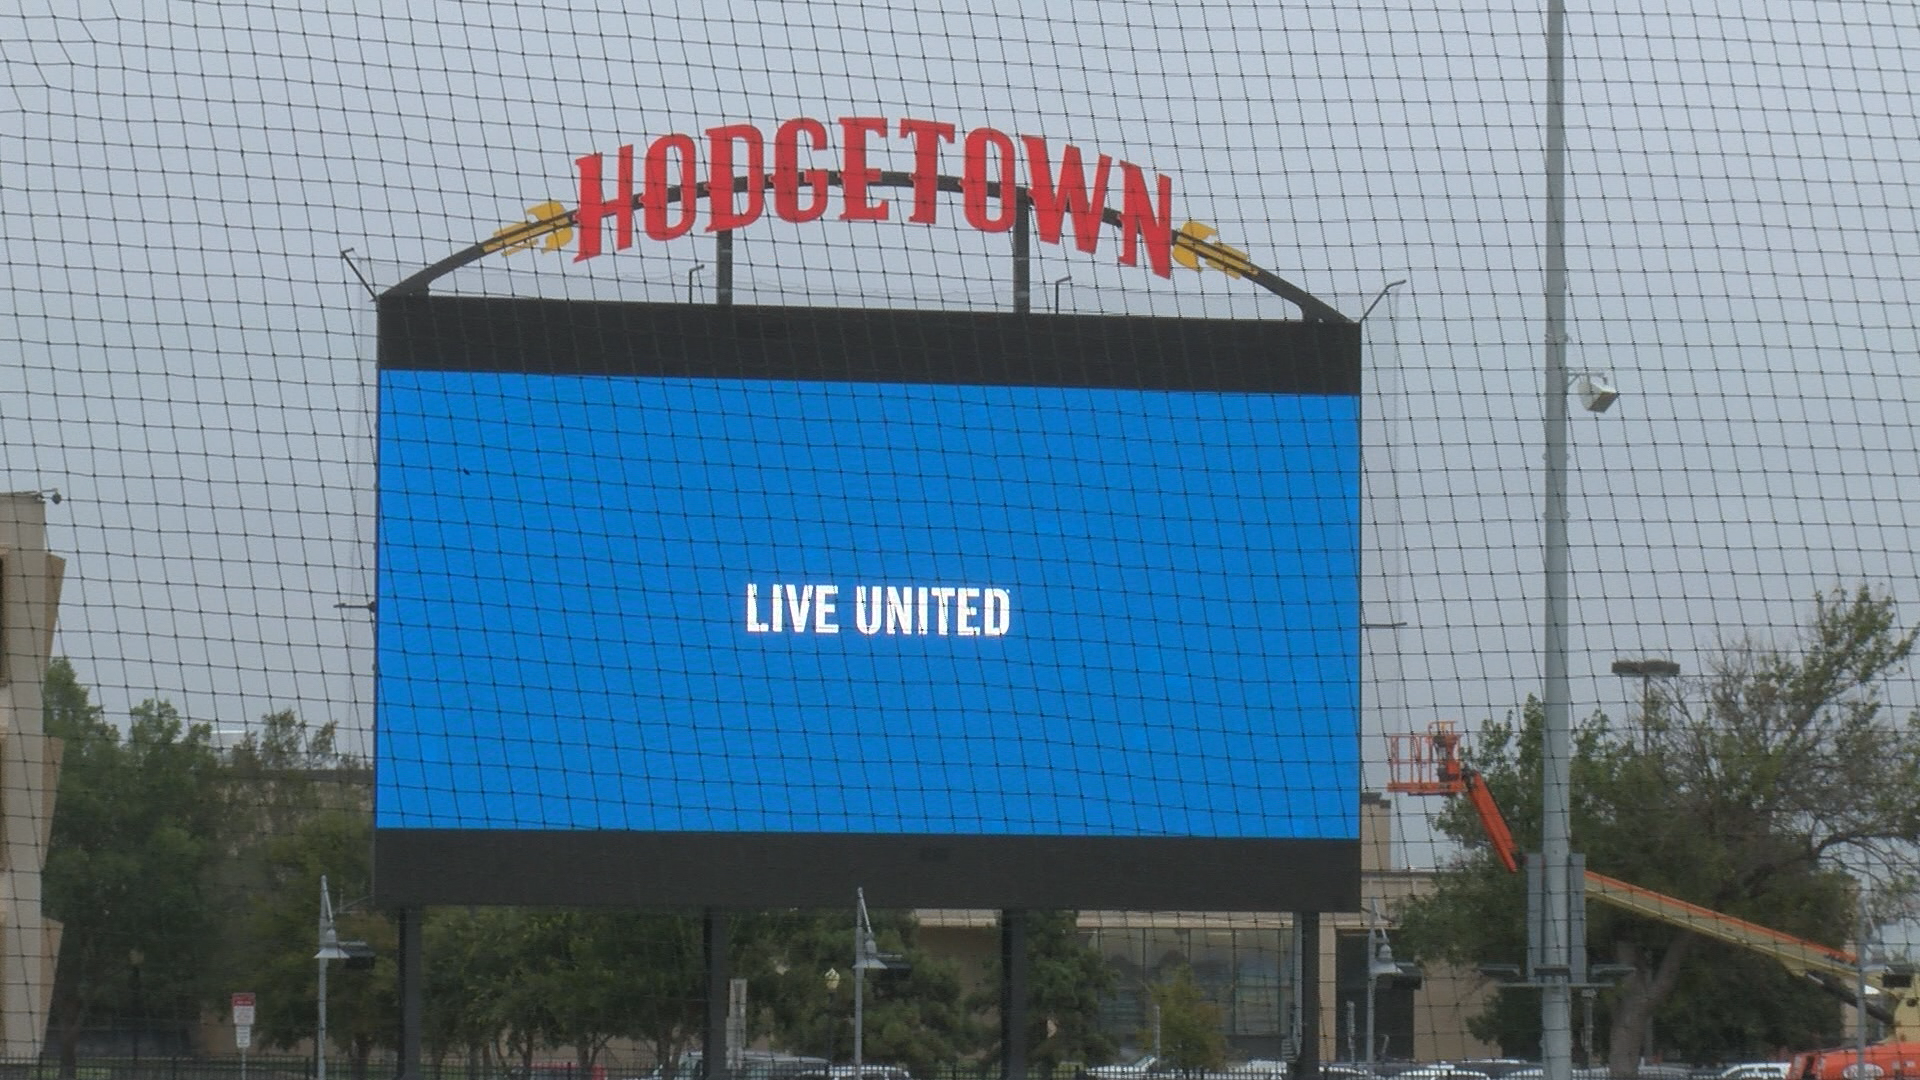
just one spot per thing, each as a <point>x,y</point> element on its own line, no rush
<point>741,605</point>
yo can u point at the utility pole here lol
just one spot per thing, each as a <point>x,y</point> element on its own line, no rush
<point>1556,992</point>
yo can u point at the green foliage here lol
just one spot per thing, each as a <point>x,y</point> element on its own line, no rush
<point>507,983</point>
<point>282,922</point>
<point>289,801</point>
<point>1066,980</point>
<point>126,869</point>
<point>183,874</point>
<point>180,876</point>
<point>1741,795</point>
<point>1192,1035</point>
<point>918,1018</point>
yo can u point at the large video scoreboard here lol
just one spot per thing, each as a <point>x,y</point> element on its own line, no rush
<point>744,606</point>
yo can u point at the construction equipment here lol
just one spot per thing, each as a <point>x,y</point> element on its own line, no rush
<point>1430,764</point>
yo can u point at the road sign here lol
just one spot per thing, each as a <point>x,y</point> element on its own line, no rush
<point>243,1011</point>
<point>242,1036</point>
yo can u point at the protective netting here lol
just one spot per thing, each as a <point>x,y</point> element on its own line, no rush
<point>639,461</point>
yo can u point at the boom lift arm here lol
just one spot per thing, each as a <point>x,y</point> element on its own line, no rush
<point>1431,765</point>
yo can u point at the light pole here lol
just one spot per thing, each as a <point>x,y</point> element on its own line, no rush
<point>329,950</point>
<point>1556,765</point>
<point>1379,962</point>
<point>1646,670</point>
<point>1381,965</point>
<point>866,957</point>
<point>1860,986</point>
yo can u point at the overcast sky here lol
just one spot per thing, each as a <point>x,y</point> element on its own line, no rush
<point>188,359</point>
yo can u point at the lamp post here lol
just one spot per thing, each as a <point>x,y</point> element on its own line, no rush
<point>1556,765</point>
<point>1646,670</point>
<point>866,957</point>
<point>1860,987</point>
<point>1379,962</point>
<point>329,950</point>
<point>1381,965</point>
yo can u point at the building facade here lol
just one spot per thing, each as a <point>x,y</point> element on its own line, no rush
<point>30,578</point>
<point>1247,964</point>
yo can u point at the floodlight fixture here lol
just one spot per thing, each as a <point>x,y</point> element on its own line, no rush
<point>1647,669</point>
<point>1596,393</point>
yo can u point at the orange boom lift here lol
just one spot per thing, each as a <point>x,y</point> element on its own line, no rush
<point>1429,764</point>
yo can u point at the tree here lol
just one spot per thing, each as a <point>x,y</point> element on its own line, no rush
<point>1746,797</point>
<point>918,1017</point>
<point>651,970</point>
<point>281,773</point>
<point>362,1005</point>
<point>275,783</point>
<point>1192,1036</point>
<point>127,863</point>
<point>1066,981</point>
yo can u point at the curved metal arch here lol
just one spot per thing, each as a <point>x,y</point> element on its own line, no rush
<point>1312,308</point>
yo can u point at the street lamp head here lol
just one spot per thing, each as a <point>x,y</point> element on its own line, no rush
<point>1596,394</point>
<point>1383,965</point>
<point>329,937</point>
<point>1647,669</point>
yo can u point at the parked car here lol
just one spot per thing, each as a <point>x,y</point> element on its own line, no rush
<point>566,1070</point>
<point>1133,1068</point>
<point>1754,1070</point>
<point>848,1072</point>
<point>1259,1069</point>
<point>755,1065</point>
<point>1149,1067</point>
<point>1501,1068</point>
<point>1442,1070</point>
<point>767,1065</point>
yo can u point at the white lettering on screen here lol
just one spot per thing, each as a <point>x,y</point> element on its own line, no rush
<point>880,610</point>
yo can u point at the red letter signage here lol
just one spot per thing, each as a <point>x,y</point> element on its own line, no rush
<point>854,174</point>
<point>737,176</point>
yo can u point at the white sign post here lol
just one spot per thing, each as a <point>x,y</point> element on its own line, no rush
<point>243,1027</point>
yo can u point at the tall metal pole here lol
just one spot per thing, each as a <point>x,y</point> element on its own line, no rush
<point>1307,1053</point>
<point>715,935</point>
<point>1556,995</point>
<point>1372,982</point>
<point>1014,998</point>
<point>411,986</point>
<point>1860,987</point>
<point>326,939</point>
